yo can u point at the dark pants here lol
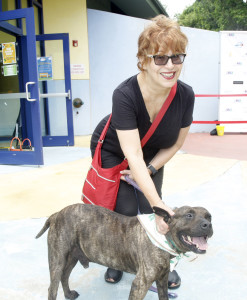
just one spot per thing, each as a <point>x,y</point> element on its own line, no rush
<point>129,199</point>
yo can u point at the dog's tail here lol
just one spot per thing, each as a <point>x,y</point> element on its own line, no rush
<point>46,226</point>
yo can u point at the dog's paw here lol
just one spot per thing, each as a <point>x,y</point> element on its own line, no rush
<point>72,295</point>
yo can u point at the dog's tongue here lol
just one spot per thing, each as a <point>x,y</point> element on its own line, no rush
<point>200,242</point>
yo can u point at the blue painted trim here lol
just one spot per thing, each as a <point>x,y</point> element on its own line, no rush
<point>18,157</point>
<point>51,141</point>
<point>13,14</point>
<point>68,88</point>
<point>11,29</point>
<point>41,18</point>
<point>33,76</point>
<point>19,21</point>
<point>22,63</point>
<point>6,138</point>
<point>69,140</point>
<point>52,36</point>
<point>18,4</point>
<point>36,3</point>
<point>29,60</point>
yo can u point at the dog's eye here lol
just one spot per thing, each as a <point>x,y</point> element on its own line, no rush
<point>209,217</point>
<point>189,216</point>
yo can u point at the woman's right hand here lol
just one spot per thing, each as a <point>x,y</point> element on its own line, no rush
<point>161,225</point>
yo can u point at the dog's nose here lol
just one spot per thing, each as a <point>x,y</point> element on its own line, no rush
<point>205,225</point>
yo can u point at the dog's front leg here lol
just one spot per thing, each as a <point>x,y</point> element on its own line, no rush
<point>162,286</point>
<point>139,287</point>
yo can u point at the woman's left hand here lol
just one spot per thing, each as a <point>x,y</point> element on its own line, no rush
<point>124,173</point>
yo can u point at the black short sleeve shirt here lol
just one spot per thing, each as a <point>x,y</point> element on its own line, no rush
<point>129,112</point>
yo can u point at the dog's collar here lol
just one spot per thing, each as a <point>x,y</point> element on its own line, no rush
<point>173,245</point>
<point>160,240</point>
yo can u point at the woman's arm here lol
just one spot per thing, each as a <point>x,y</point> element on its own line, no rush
<point>131,147</point>
<point>164,155</point>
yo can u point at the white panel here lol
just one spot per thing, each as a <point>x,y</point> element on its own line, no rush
<point>233,79</point>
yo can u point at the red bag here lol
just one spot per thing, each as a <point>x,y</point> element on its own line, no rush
<point>101,185</point>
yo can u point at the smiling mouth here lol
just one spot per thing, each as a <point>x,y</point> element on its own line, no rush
<point>168,75</point>
<point>197,244</point>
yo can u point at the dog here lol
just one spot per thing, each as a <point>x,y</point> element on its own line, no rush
<point>88,233</point>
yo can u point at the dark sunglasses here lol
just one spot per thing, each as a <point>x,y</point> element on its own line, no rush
<point>162,60</point>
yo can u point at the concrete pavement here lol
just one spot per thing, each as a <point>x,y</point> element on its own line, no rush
<point>30,194</point>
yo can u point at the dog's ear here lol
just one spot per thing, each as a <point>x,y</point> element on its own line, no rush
<point>162,213</point>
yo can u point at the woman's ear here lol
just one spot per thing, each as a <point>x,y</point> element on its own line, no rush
<point>142,64</point>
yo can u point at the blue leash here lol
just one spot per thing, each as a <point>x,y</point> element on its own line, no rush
<point>170,295</point>
<point>136,187</point>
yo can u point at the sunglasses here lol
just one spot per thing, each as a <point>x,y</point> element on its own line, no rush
<point>162,60</point>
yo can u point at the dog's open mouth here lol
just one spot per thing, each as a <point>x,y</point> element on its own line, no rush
<point>197,244</point>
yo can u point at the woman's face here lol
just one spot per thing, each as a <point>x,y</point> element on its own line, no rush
<point>162,76</point>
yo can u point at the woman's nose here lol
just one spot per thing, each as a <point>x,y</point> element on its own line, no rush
<point>169,64</point>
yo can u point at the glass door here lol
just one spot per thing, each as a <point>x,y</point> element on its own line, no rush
<point>55,89</point>
<point>19,94</point>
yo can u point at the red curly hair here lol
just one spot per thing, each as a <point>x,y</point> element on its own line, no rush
<point>161,35</point>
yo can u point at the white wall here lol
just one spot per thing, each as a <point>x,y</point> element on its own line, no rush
<point>201,71</point>
<point>112,54</point>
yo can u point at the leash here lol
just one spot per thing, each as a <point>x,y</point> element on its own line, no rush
<point>173,246</point>
<point>136,187</point>
<point>132,182</point>
<point>170,295</point>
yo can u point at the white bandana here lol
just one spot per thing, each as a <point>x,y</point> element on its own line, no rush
<point>159,240</point>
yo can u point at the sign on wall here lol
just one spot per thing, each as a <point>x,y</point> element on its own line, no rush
<point>10,70</point>
<point>8,53</point>
<point>233,79</point>
<point>45,68</point>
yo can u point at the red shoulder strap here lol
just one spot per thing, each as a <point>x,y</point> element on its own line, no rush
<point>103,133</point>
<point>160,115</point>
<point>155,122</point>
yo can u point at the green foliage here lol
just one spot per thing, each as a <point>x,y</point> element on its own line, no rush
<point>215,15</point>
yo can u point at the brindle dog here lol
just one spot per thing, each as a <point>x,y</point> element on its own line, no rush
<point>88,233</point>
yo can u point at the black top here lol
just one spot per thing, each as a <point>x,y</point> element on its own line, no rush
<point>129,112</point>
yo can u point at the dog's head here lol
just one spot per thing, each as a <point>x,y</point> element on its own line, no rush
<point>189,228</point>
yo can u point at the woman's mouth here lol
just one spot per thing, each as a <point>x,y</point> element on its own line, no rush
<point>168,75</point>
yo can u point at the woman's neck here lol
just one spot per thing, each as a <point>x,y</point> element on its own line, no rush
<point>150,90</point>
<point>153,96</point>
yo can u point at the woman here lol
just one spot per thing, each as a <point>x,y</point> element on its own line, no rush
<point>136,103</point>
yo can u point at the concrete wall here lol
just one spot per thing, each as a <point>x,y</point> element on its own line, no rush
<point>71,17</point>
<point>201,71</point>
<point>112,56</point>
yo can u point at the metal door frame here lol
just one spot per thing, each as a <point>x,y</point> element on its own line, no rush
<point>69,139</point>
<point>29,63</point>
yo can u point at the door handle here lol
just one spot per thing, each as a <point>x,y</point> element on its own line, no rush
<point>27,84</point>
